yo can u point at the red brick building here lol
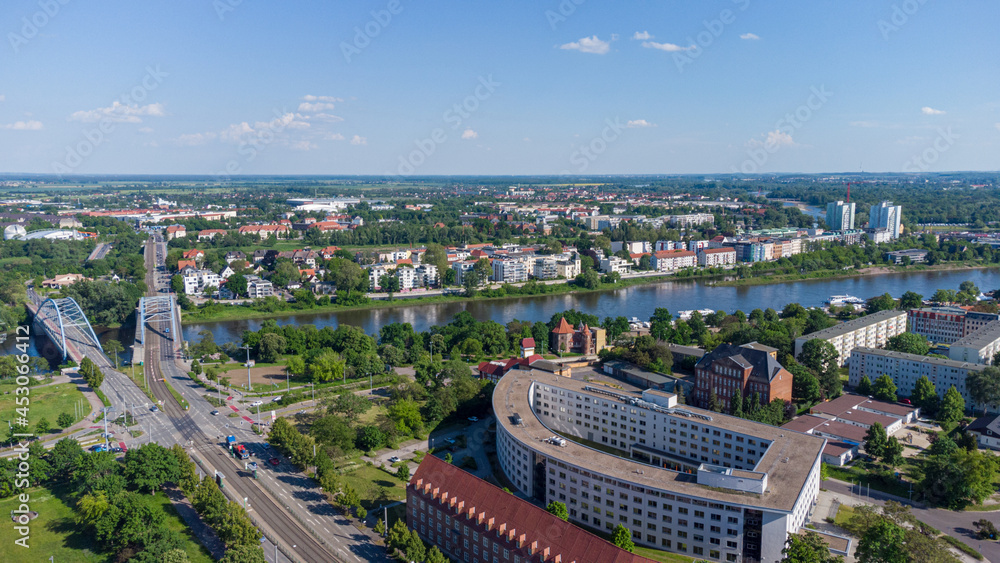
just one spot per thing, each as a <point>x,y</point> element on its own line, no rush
<point>751,368</point>
<point>582,340</point>
<point>471,520</point>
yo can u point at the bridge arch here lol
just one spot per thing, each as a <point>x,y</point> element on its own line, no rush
<point>55,315</point>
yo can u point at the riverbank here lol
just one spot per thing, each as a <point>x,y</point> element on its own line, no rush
<point>237,312</point>
<point>852,273</point>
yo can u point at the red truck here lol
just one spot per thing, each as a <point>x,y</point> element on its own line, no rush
<point>241,451</point>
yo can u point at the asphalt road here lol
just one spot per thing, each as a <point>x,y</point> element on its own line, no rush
<point>295,493</point>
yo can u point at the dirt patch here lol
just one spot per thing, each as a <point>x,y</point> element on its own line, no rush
<point>258,376</point>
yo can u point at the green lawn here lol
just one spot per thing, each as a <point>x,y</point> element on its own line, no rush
<point>370,482</point>
<point>46,402</point>
<point>55,534</point>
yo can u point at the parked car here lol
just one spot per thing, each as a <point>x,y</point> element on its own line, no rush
<point>393,459</point>
<point>154,408</point>
<point>256,403</point>
<point>215,413</point>
<point>276,399</point>
<point>274,461</point>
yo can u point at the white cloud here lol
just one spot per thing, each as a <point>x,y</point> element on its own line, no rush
<point>469,134</point>
<point>927,110</point>
<point>359,140</point>
<point>750,36</point>
<point>323,116</point>
<point>330,99</point>
<point>776,138</point>
<point>642,36</point>
<point>23,126</point>
<point>145,129</point>
<point>668,47</point>
<point>591,45</point>
<point>314,107</point>
<point>195,139</point>
<point>119,113</point>
<point>639,123</point>
<point>333,137</point>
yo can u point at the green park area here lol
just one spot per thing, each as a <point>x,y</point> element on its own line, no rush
<point>56,534</point>
<point>46,402</point>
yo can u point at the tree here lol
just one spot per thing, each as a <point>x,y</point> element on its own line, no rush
<point>622,537</point>
<point>864,386</point>
<point>380,527</point>
<point>959,478</point>
<point>350,406</point>
<point>65,420</point>
<point>434,555</point>
<point>882,543</point>
<point>875,440</point>
<point>661,324</point>
<point>911,300</point>
<point>808,548</point>
<point>243,554</point>
<point>149,466</point>
<point>112,348</point>
<point>986,530</point>
<point>64,455</point>
<point>909,343</point>
<point>883,302</point>
<point>984,387</point>
<point>821,357</point>
<point>736,403</point>
<point>42,426</point>
<point>952,406</point>
<point>128,521</point>
<point>403,472</point>
<point>892,454</point>
<point>884,389</point>
<point>270,347</point>
<point>415,548</point>
<point>177,284</point>
<point>237,284</point>
<point>923,393</point>
<point>235,528</point>
<point>805,386</point>
<point>559,510</point>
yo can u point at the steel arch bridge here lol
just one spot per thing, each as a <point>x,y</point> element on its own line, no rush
<point>156,309</point>
<point>55,316</point>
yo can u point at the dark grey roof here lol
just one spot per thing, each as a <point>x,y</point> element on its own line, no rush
<point>988,422</point>
<point>762,363</point>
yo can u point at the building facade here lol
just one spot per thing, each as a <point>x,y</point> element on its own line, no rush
<point>840,216</point>
<point>581,340</point>
<point>906,369</point>
<point>886,216</point>
<point>870,331</point>
<point>749,369</point>
<point>978,347</point>
<point>688,481</point>
<point>713,257</point>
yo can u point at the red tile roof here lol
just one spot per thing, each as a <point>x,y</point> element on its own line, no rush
<point>528,342</point>
<point>563,328</point>
<point>718,250</point>
<point>509,514</point>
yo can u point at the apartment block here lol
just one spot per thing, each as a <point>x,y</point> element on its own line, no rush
<point>906,369</point>
<point>712,257</point>
<point>869,331</point>
<point>509,271</point>
<point>978,347</point>
<point>668,260</point>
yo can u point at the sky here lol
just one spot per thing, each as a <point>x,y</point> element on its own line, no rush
<point>578,87</point>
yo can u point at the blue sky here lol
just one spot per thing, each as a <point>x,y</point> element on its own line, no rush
<point>498,87</point>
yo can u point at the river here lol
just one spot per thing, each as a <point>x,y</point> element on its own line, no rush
<point>635,301</point>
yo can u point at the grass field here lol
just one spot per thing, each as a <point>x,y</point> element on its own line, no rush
<point>46,402</point>
<point>55,534</point>
<point>371,483</point>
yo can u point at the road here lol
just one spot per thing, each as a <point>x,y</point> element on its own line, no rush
<point>297,503</point>
<point>100,251</point>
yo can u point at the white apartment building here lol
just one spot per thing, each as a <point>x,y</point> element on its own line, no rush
<point>696,245</point>
<point>375,273</point>
<point>978,347</point>
<point>407,278</point>
<point>886,216</point>
<point>509,271</point>
<point>869,331</point>
<point>689,481</point>
<point>670,260</point>
<point>568,268</point>
<point>667,245</point>
<point>636,247</point>
<point>713,257</point>
<point>258,288</point>
<point>195,281</point>
<point>906,369</point>
<point>682,221</point>
<point>545,268</point>
<point>427,275</point>
<point>615,264</point>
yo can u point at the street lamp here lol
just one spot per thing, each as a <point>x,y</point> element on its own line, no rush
<point>247,348</point>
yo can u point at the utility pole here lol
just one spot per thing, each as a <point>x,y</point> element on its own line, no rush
<point>249,384</point>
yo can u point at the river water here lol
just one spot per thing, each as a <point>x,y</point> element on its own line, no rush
<point>636,301</point>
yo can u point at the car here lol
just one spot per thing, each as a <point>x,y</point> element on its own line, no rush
<point>393,459</point>
<point>252,466</point>
<point>116,449</point>
<point>473,419</point>
<point>107,435</point>
<point>154,408</point>
<point>215,413</point>
<point>99,448</point>
<point>256,403</point>
<point>274,461</point>
<point>276,399</point>
<point>906,401</point>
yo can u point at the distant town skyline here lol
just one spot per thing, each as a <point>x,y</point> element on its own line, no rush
<point>387,87</point>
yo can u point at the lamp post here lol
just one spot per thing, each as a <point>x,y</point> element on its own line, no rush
<point>247,348</point>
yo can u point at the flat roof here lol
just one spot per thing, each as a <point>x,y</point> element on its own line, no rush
<point>867,418</point>
<point>852,325</point>
<point>981,338</point>
<point>787,461</point>
<point>943,362</point>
